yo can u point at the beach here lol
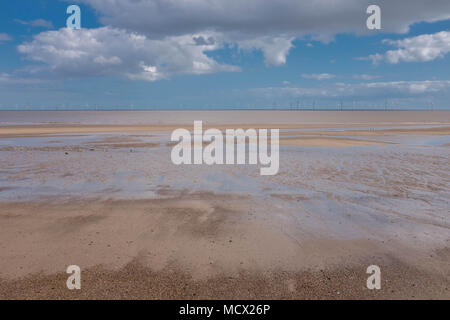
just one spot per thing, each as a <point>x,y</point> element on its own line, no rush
<point>98,190</point>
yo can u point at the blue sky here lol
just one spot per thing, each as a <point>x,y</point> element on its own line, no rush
<point>224,54</point>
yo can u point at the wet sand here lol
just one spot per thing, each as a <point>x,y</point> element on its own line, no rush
<point>327,142</point>
<point>107,198</point>
<point>52,130</point>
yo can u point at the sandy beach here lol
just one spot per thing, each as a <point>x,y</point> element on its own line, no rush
<point>98,190</point>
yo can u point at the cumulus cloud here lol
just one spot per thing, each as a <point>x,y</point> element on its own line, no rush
<point>40,23</point>
<point>422,48</point>
<point>318,76</point>
<point>263,17</point>
<point>154,39</point>
<point>110,51</point>
<point>265,25</point>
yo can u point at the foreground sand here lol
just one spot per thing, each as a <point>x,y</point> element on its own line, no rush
<point>165,249</point>
<point>107,198</point>
<point>137,282</point>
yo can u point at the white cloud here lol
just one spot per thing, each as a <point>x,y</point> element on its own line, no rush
<point>8,79</point>
<point>404,87</point>
<point>109,51</point>
<point>5,37</point>
<point>40,23</point>
<point>319,76</point>
<point>275,49</point>
<point>359,90</point>
<point>422,48</point>
<point>365,77</point>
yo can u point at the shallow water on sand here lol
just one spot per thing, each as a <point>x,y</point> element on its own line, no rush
<point>344,192</point>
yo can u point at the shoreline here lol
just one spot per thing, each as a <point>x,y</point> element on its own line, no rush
<point>231,117</point>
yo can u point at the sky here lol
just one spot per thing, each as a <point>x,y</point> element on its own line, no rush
<point>216,54</point>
